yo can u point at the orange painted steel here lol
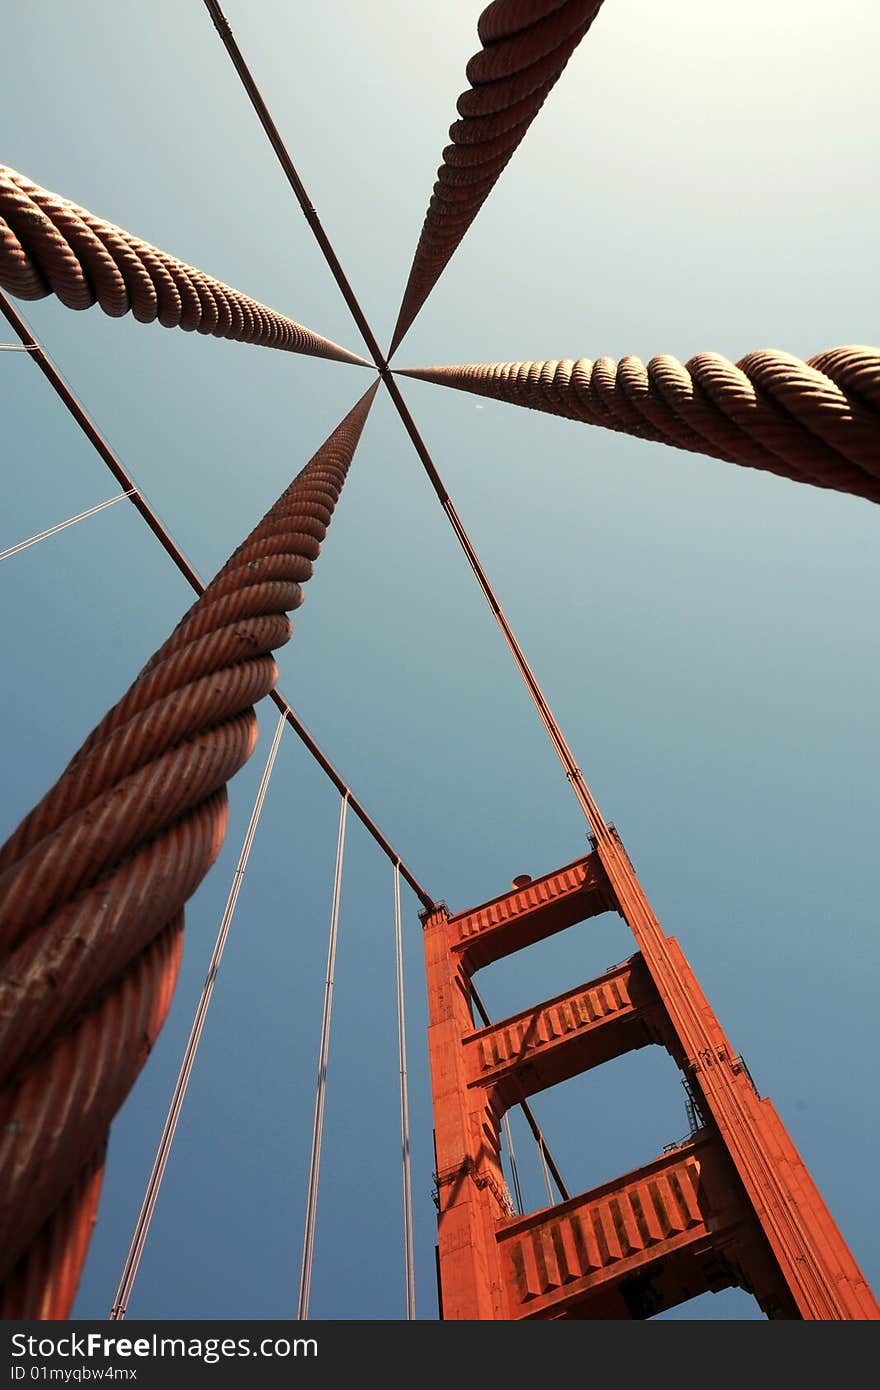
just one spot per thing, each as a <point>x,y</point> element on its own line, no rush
<point>43,1284</point>
<point>95,873</point>
<point>49,245</point>
<point>733,1206</point>
<point>638,1244</point>
<point>547,1044</point>
<point>815,422</point>
<point>526,45</point>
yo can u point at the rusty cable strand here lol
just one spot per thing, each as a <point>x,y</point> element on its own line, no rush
<point>816,421</point>
<point>50,245</point>
<point>58,1114</point>
<point>46,1278</point>
<point>94,874</point>
<point>526,45</point>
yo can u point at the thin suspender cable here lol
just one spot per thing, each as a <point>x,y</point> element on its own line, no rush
<point>62,526</point>
<point>305,1280</point>
<point>59,385</point>
<point>344,790</point>
<point>408,1257</point>
<point>96,439</point>
<point>157,1172</point>
<point>566,757</point>
<point>573,773</point>
<point>221,24</point>
<point>546,1174</point>
<point>524,1106</point>
<point>16,347</point>
<point>514,1171</point>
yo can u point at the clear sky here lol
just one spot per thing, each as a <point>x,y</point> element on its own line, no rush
<point>701,178</point>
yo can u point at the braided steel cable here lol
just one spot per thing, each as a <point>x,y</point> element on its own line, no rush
<point>526,45</point>
<point>54,1119</point>
<point>815,422</point>
<point>98,873</point>
<point>49,245</point>
<point>46,1278</point>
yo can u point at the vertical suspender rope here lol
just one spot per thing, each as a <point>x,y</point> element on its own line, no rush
<point>157,1172</point>
<point>409,1267</point>
<point>514,1171</point>
<point>546,1156</point>
<point>546,1174</point>
<point>305,1278</point>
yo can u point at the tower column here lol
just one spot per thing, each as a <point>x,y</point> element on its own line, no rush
<point>471,1192</point>
<point>734,1205</point>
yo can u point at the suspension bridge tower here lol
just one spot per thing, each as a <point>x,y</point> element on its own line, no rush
<point>734,1205</point>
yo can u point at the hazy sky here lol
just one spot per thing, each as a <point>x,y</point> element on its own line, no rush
<point>701,178</point>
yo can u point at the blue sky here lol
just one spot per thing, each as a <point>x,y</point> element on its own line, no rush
<point>706,634</point>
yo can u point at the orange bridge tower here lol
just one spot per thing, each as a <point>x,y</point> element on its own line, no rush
<point>734,1205</point>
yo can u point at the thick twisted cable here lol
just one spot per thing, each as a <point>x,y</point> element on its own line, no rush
<point>526,45</point>
<point>51,1116</point>
<point>815,422</point>
<point>49,245</point>
<point>95,872</point>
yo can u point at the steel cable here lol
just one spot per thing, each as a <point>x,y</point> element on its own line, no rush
<point>61,526</point>
<point>160,1162</point>
<point>92,876</point>
<point>54,1121</point>
<point>546,1175</point>
<point>514,1170</point>
<point>816,421</point>
<point>408,1256</point>
<point>547,1159</point>
<point>308,1250</point>
<point>526,45</point>
<point>50,245</point>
